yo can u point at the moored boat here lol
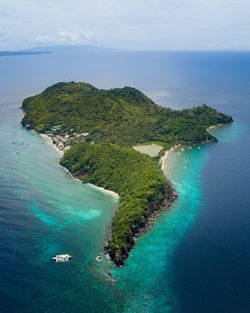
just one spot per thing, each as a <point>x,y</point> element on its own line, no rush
<point>61,258</point>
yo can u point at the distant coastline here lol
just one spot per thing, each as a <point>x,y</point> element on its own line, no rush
<point>56,49</point>
<point>21,53</point>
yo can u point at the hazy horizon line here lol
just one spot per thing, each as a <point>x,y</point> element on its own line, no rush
<point>37,48</point>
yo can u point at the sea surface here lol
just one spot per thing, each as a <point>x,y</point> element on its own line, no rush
<point>196,259</point>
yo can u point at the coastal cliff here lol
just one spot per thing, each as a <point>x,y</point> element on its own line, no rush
<point>98,129</point>
<point>143,190</point>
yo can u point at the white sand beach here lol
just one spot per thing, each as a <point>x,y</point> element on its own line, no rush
<point>214,126</point>
<point>163,160</point>
<point>48,139</point>
<point>110,192</point>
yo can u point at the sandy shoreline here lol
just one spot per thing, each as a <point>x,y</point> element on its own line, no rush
<point>164,159</point>
<point>49,141</point>
<point>110,192</point>
<point>214,126</point>
<point>163,162</point>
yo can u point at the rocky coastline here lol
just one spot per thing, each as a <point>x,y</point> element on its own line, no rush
<point>154,210</point>
<point>95,141</point>
<point>144,226</point>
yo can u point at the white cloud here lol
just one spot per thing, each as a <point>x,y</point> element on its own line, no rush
<point>133,24</point>
<point>2,36</point>
<point>42,39</point>
<point>66,37</point>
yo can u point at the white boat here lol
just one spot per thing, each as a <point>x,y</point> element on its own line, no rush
<point>98,258</point>
<point>61,258</point>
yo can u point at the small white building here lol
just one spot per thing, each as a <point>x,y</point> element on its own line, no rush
<point>60,145</point>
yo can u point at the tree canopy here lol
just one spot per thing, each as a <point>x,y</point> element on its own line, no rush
<point>121,115</point>
<point>115,120</point>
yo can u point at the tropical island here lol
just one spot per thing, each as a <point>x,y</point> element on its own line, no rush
<point>98,129</point>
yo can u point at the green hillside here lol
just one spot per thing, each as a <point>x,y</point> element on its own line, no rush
<point>100,126</point>
<point>138,180</point>
<point>122,116</point>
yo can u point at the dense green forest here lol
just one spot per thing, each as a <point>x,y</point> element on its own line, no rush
<point>136,177</point>
<point>114,120</point>
<point>121,116</point>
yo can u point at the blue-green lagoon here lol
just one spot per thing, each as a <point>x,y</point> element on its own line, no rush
<point>196,257</point>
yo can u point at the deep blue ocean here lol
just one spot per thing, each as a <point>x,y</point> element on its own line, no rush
<point>196,259</point>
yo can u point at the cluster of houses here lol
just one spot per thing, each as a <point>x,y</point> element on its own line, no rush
<point>66,140</point>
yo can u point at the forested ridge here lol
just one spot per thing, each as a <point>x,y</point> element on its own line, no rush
<point>137,179</point>
<point>110,122</point>
<point>121,115</point>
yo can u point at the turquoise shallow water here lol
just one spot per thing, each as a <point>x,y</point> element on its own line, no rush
<point>195,259</point>
<point>149,265</point>
<point>63,215</point>
<point>47,212</point>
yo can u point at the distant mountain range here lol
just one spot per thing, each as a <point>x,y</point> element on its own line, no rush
<point>71,48</point>
<point>55,49</point>
<point>22,52</point>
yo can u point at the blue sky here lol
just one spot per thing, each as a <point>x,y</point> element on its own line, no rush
<point>129,24</point>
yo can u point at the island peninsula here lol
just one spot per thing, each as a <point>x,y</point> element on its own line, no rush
<point>97,129</point>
